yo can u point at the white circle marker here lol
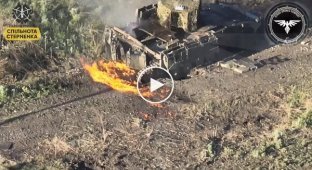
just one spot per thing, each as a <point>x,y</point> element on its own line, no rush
<point>155,85</point>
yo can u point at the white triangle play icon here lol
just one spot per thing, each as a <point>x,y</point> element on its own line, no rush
<point>155,85</point>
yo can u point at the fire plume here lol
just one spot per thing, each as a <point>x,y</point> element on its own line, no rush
<point>116,75</point>
<point>122,78</point>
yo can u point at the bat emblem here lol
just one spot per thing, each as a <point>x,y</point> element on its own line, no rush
<point>287,24</point>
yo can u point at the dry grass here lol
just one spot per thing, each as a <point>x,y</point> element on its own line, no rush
<point>308,103</point>
<point>18,60</point>
<point>3,62</point>
<point>289,134</point>
<point>57,146</point>
<point>4,163</point>
<point>92,142</point>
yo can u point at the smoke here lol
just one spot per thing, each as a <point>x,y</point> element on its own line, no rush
<point>116,12</point>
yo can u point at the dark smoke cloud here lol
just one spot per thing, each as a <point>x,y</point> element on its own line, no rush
<point>116,12</point>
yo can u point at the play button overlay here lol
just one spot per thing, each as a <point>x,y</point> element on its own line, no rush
<point>155,85</point>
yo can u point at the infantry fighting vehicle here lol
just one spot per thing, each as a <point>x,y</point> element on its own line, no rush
<point>182,34</point>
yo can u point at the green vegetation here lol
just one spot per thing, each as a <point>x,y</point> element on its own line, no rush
<point>296,97</point>
<point>290,143</point>
<point>68,31</point>
<point>66,27</point>
<point>3,94</point>
<point>287,143</point>
<point>34,89</point>
<point>300,102</point>
<point>210,150</point>
<point>305,120</point>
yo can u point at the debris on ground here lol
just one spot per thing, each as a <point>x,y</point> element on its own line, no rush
<point>239,65</point>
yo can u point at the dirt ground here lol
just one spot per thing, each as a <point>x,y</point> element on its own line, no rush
<point>216,119</point>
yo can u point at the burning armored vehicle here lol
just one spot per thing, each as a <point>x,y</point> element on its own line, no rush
<point>182,34</point>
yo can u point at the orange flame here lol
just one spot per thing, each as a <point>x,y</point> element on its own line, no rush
<point>120,77</point>
<point>116,75</point>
